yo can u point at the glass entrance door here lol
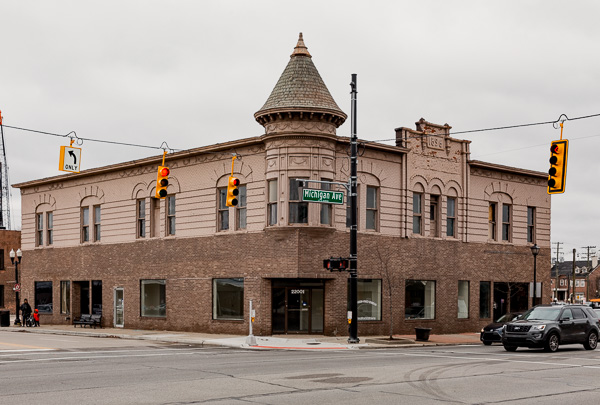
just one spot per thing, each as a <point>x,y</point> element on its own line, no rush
<point>297,309</point>
<point>119,308</point>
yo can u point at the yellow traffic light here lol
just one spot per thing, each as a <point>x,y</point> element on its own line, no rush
<point>162,181</point>
<point>232,191</point>
<point>557,175</point>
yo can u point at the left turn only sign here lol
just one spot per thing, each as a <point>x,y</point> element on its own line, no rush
<point>70,159</point>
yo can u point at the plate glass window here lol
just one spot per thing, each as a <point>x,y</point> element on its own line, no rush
<point>485,299</point>
<point>65,297</point>
<point>369,299</point>
<point>153,298</point>
<point>43,296</point>
<point>463,299</point>
<point>419,299</point>
<point>228,298</point>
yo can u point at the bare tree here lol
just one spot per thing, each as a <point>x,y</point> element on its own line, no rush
<point>386,274</point>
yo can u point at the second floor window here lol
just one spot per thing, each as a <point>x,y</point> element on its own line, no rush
<point>371,214</point>
<point>298,209</point>
<point>240,209</point>
<point>417,213</point>
<point>531,224</point>
<point>141,218</point>
<point>49,228</point>
<point>506,214</point>
<point>451,217</point>
<point>492,221</point>
<point>326,209</point>
<point>85,224</point>
<point>39,220</point>
<point>272,203</point>
<point>223,210</point>
<point>171,215</point>
<point>434,201</point>
<point>96,223</point>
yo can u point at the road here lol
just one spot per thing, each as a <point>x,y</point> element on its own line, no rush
<point>54,369</point>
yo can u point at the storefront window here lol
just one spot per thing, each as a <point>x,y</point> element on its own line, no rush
<point>228,298</point>
<point>419,299</point>
<point>43,297</point>
<point>153,298</point>
<point>65,297</point>
<point>463,299</point>
<point>485,298</point>
<point>369,299</point>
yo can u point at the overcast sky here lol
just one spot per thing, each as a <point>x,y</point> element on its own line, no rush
<point>193,73</point>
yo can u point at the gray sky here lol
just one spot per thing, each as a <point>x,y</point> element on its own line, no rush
<point>193,73</point>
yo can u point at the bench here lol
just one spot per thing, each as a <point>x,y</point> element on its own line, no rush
<point>86,319</point>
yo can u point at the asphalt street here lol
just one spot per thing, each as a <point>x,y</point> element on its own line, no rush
<point>50,369</point>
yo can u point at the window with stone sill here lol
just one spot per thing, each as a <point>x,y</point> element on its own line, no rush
<point>298,209</point>
<point>272,202</point>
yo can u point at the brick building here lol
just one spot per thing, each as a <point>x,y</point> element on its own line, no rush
<point>9,240</point>
<point>586,276</point>
<point>443,241</point>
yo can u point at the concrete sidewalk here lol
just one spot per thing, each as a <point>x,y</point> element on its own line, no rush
<point>278,342</point>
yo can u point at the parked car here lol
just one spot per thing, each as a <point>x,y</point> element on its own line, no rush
<point>549,326</point>
<point>493,331</point>
<point>597,310</point>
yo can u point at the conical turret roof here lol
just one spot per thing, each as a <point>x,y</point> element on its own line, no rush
<point>300,89</point>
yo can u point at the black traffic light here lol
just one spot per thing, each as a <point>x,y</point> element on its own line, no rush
<point>557,175</point>
<point>162,181</point>
<point>335,264</point>
<point>232,191</point>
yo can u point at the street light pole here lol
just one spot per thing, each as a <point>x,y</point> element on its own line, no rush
<point>535,250</point>
<point>353,330</point>
<point>17,286</point>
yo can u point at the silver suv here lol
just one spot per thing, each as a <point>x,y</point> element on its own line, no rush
<point>549,326</point>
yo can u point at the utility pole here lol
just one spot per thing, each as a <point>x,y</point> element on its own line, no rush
<point>556,266</point>
<point>353,332</point>
<point>587,276</point>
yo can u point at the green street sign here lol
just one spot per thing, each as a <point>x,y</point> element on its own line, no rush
<point>323,196</point>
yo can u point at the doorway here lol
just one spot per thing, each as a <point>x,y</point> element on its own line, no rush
<point>119,308</point>
<point>298,308</point>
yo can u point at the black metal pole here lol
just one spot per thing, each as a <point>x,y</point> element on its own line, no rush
<point>17,297</point>
<point>353,333</point>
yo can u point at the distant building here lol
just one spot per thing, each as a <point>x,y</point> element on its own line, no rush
<point>444,241</point>
<point>585,276</point>
<point>9,240</point>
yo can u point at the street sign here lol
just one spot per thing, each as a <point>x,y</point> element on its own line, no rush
<point>70,159</point>
<point>323,196</point>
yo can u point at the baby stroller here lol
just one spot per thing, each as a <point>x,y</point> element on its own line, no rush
<point>29,321</point>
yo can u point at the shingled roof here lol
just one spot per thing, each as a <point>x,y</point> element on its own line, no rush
<point>300,89</point>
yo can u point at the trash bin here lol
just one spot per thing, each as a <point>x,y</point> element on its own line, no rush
<point>4,318</point>
<point>422,334</point>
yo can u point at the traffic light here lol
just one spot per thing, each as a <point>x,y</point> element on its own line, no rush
<point>557,175</point>
<point>232,191</point>
<point>335,264</point>
<point>162,181</point>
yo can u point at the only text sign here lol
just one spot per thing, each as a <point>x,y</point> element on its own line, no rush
<point>70,159</point>
<point>323,196</point>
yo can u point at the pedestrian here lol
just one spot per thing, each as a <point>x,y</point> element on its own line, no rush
<point>36,317</point>
<point>26,311</point>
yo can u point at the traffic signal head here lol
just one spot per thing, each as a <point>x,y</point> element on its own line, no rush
<point>557,174</point>
<point>162,181</point>
<point>232,191</point>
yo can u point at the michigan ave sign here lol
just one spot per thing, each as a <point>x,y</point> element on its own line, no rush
<point>323,196</point>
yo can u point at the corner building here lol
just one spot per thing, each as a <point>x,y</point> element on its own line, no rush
<point>443,241</point>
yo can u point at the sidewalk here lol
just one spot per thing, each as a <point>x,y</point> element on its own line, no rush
<point>281,342</point>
